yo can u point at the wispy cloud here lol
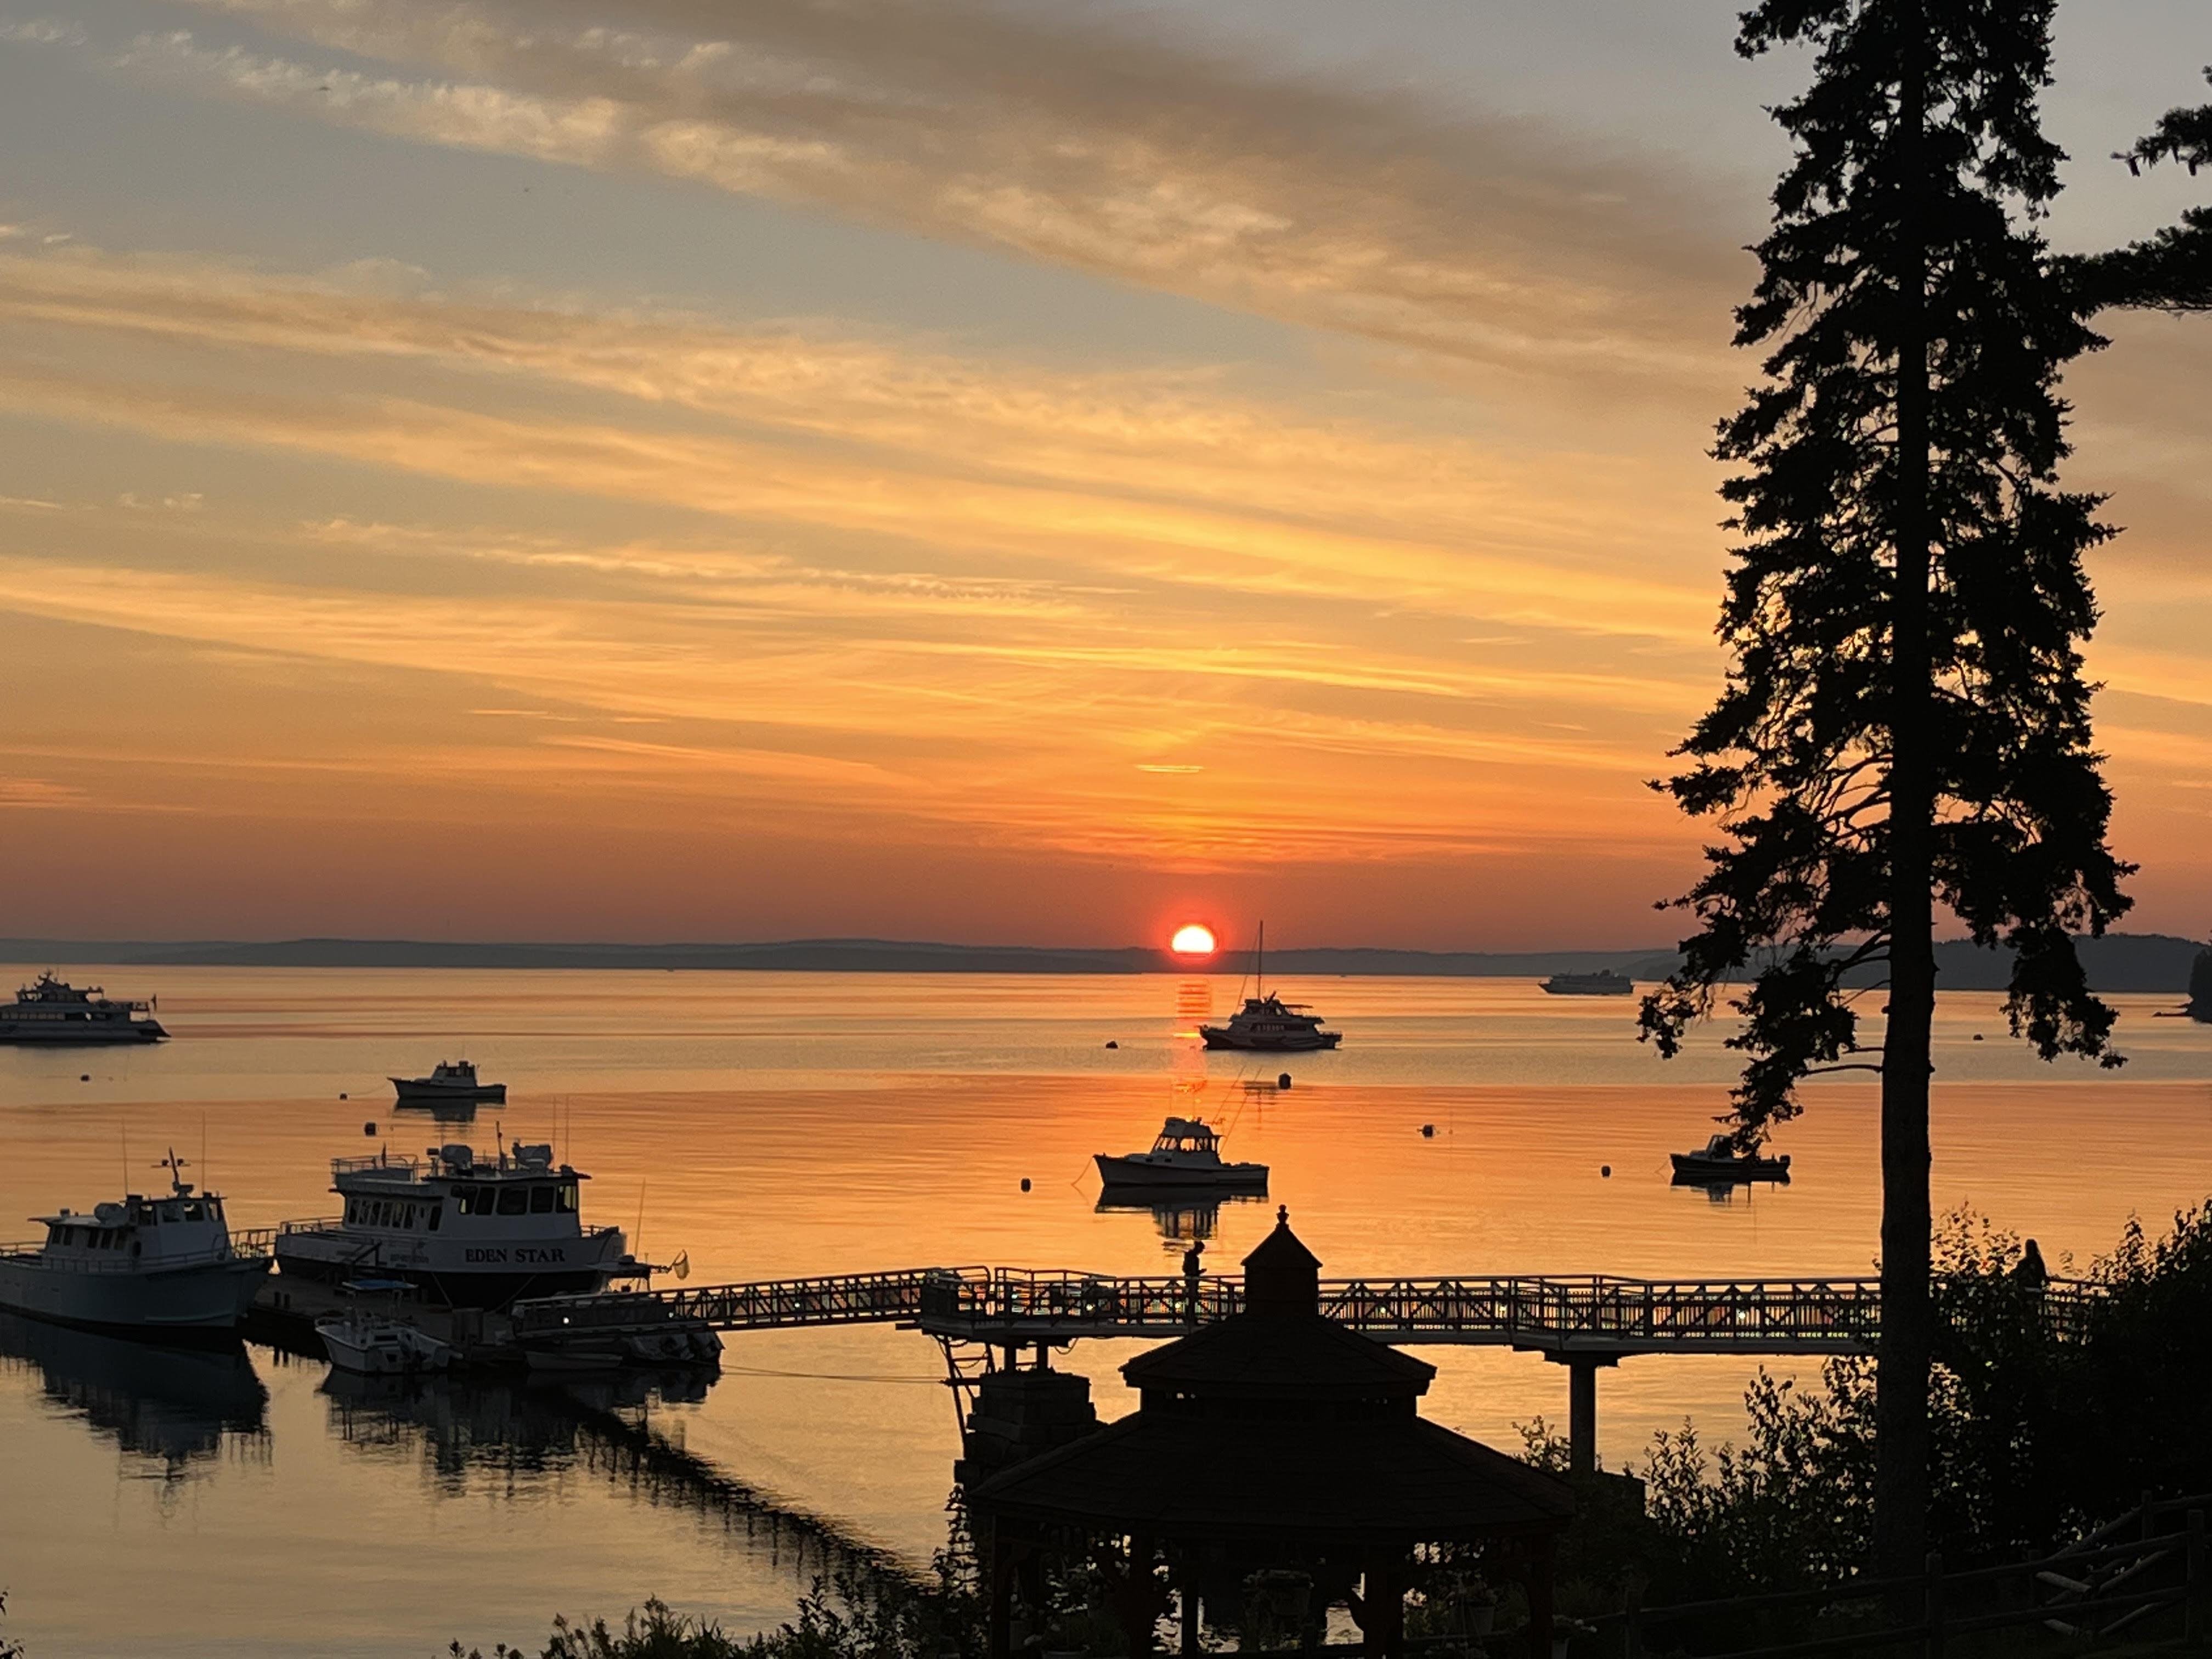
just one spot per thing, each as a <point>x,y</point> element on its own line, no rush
<point>1504,242</point>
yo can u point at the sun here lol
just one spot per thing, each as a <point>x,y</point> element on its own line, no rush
<point>1192,940</point>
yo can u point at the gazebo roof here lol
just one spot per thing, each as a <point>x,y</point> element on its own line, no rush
<point>1280,1356</point>
<point>1385,1480</point>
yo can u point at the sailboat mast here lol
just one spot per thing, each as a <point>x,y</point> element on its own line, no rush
<point>1260,965</point>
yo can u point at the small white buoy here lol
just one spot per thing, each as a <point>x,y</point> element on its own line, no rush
<point>1025,1183</point>
<point>1428,1132</point>
<point>1284,1081</point>
<point>1606,1170</point>
<point>368,1128</point>
<point>87,1077</point>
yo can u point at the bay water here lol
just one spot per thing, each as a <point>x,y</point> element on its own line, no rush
<point>772,1125</point>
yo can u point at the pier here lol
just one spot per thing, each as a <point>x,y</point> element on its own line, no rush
<point>1584,1323</point>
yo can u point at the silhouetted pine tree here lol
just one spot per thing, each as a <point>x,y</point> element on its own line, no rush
<point>2171,271</point>
<point>1904,722</point>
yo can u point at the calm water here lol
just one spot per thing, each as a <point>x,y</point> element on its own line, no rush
<point>775,1124</point>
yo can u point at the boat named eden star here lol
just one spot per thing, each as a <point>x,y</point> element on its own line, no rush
<point>164,1265</point>
<point>471,1231</point>
<point>51,1010</point>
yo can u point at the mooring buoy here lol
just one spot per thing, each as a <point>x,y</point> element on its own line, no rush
<point>1025,1183</point>
<point>368,1128</point>
<point>1284,1081</point>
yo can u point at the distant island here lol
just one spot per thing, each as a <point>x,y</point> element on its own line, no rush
<point>2118,962</point>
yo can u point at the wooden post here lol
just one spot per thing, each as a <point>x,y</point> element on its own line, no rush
<point>1934,1645</point>
<point>1632,1621</point>
<point>1582,1416</point>
<point>2197,1612</point>
<point>1540,1598</point>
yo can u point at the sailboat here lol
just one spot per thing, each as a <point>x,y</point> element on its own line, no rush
<point>1268,1024</point>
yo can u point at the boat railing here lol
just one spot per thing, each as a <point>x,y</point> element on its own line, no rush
<point>400,1166</point>
<point>122,1262</point>
<point>321,1224</point>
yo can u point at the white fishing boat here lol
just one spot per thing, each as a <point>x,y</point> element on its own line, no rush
<point>377,1344</point>
<point>167,1264</point>
<point>52,1011</point>
<point>469,1230</point>
<point>1186,1155</point>
<point>1268,1024</point>
<point>449,1080</point>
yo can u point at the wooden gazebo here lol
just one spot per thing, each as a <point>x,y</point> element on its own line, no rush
<point>1274,1439</point>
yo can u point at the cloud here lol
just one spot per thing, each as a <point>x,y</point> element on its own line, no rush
<point>1503,242</point>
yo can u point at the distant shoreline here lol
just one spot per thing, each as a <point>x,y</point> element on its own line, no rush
<point>2119,961</point>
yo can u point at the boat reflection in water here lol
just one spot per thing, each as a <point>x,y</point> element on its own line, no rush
<point>1183,1216</point>
<point>502,1433</point>
<point>172,1405</point>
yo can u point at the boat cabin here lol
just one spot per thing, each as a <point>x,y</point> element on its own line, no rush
<point>453,1188</point>
<point>1187,1134</point>
<point>143,1231</point>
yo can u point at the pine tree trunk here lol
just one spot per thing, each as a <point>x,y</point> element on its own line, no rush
<point>1901,1485</point>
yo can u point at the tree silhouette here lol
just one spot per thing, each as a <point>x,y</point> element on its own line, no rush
<point>2171,271</point>
<point>1905,722</point>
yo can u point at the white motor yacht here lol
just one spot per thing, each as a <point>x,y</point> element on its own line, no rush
<point>1267,1024</point>
<point>470,1230</point>
<point>157,1266</point>
<point>1187,1155</point>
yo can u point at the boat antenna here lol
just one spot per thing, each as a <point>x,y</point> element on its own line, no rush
<point>637,1238</point>
<point>1260,966</point>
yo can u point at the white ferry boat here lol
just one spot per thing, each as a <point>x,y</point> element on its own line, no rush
<point>160,1265</point>
<point>1268,1024</point>
<point>470,1230</point>
<point>51,1010</point>
<point>1187,1155</point>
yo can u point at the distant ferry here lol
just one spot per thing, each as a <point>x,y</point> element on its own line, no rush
<point>472,1231</point>
<point>1603,984</point>
<point>163,1266</point>
<point>449,1080</point>
<point>49,1010</point>
<point>1268,1024</point>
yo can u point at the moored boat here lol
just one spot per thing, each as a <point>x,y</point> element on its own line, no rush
<point>468,1230</point>
<point>1187,1155</point>
<point>1603,984</point>
<point>1720,1161</point>
<point>449,1080</point>
<point>164,1265</point>
<point>1268,1024</point>
<point>360,1338</point>
<point>52,1011</point>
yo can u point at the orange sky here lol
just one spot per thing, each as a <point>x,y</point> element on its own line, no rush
<point>459,480</point>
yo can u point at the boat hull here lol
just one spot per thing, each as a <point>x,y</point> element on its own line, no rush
<point>202,1298</point>
<point>1137,1174</point>
<point>1301,1042</point>
<point>419,1091</point>
<point>575,1266</point>
<point>1689,1168</point>
<point>86,1034</point>
<point>1588,990</point>
<point>374,1350</point>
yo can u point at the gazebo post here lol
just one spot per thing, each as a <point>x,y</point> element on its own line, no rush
<point>1540,1550</point>
<point>999,1642</point>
